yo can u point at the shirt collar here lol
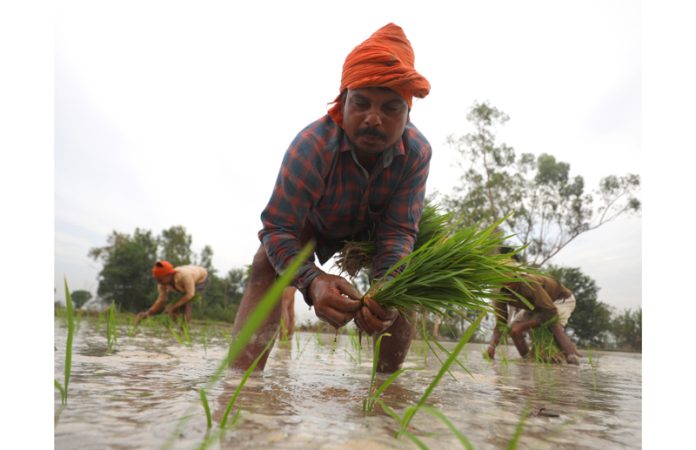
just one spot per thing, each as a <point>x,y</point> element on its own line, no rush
<point>388,156</point>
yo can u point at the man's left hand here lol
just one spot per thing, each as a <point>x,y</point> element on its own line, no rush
<point>373,319</point>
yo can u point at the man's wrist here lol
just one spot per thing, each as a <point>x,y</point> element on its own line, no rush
<point>304,285</point>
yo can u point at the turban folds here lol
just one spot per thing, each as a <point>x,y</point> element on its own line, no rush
<point>162,268</point>
<point>385,59</point>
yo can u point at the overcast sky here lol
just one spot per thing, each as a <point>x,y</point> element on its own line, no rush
<point>170,113</point>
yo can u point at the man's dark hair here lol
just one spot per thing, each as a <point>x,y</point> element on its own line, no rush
<point>504,250</point>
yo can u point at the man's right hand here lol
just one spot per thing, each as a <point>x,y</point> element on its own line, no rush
<point>141,315</point>
<point>335,300</point>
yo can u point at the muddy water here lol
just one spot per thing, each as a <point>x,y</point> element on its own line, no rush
<point>143,394</point>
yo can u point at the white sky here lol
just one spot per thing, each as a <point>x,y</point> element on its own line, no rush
<point>171,113</point>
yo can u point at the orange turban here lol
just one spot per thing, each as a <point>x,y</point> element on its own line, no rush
<point>385,59</point>
<point>162,268</point>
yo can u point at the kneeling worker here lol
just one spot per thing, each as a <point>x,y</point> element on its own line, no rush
<point>553,303</point>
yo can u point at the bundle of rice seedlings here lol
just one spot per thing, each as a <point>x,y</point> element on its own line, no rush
<point>358,255</point>
<point>544,348</point>
<point>455,271</point>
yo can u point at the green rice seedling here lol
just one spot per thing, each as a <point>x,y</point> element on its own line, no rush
<point>111,327</point>
<point>301,350</point>
<point>242,382</point>
<point>253,322</point>
<point>131,326</point>
<point>447,352</point>
<point>179,338</point>
<point>425,345</point>
<point>182,336</point>
<point>544,348</point>
<point>206,407</point>
<point>375,360</point>
<point>375,393</point>
<point>356,343</point>
<point>408,415</point>
<point>437,413</point>
<point>512,445</point>
<point>205,337</point>
<point>63,388</point>
<point>593,363</point>
<point>186,332</point>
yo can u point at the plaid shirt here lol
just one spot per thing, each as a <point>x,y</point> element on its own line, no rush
<point>321,183</point>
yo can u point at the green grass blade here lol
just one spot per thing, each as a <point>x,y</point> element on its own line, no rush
<point>437,413</point>
<point>445,367</point>
<point>69,341</point>
<point>383,387</point>
<point>373,376</point>
<point>512,445</point>
<point>415,440</point>
<point>60,390</point>
<point>242,382</point>
<point>206,407</point>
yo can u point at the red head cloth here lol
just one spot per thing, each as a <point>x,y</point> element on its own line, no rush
<point>162,268</point>
<point>385,59</point>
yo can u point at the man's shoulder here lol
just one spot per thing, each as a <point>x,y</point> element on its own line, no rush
<point>189,270</point>
<point>415,141</point>
<point>323,132</point>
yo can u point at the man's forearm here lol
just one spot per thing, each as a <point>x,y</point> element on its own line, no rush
<point>182,301</point>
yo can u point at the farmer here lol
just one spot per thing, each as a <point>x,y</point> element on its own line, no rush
<point>553,303</point>
<point>359,169</point>
<point>186,280</point>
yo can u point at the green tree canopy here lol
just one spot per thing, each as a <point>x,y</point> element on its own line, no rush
<point>628,329</point>
<point>80,297</point>
<point>206,259</point>
<point>544,206</point>
<point>175,246</point>
<point>126,276</point>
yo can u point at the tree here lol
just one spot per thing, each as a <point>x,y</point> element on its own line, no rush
<point>541,204</point>
<point>175,245</point>
<point>126,276</point>
<point>628,329</point>
<point>80,297</point>
<point>591,319</point>
<point>206,259</point>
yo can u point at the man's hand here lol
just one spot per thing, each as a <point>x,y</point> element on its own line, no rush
<point>490,352</point>
<point>373,319</point>
<point>169,310</point>
<point>141,315</point>
<point>335,300</point>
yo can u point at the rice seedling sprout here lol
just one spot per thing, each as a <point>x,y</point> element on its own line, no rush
<point>63,388</point>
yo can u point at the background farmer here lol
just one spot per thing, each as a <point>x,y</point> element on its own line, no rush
<point>185,280</point>
<point>361,168</point>
<point>553,304</point>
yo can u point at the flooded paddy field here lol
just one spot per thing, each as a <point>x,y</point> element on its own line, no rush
<point>143,393</point>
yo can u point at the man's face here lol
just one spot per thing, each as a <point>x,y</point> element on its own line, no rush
<point>166,279</point>
<point>374,118</point>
